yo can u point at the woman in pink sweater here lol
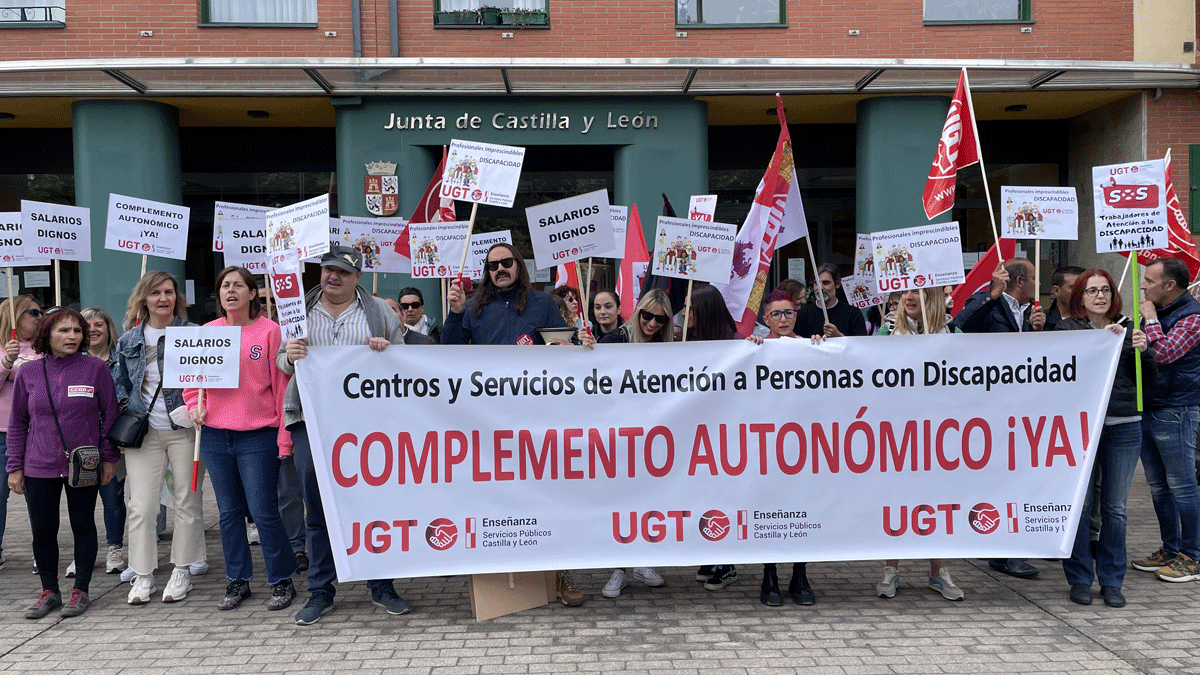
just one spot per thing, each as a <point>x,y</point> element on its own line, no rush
<point>241,441</point>
<point>17,352</point>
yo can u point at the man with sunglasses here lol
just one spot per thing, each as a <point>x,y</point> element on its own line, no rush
<point>505,309</point>
<point>412,310</point>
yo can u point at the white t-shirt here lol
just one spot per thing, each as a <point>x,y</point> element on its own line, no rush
<point>159,418</point>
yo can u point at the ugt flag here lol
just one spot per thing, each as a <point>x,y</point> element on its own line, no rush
<point>428,211</point>
<point>1179,240</point>
<point>958,148</point>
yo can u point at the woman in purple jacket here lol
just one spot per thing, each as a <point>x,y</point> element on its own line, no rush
<point>79,389</point>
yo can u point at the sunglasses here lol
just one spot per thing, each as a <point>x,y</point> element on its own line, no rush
<point>414,305</point>
<point>493,265</point>
<point>35,313</point>
<point>648,316</point>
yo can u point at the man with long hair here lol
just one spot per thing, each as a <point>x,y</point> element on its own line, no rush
<point>505,309</point>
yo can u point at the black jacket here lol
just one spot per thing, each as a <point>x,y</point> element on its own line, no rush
<point>1123,401</point>
<point>982,314</point>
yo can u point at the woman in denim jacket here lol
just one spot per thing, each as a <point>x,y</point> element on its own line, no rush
<point>155,304</point>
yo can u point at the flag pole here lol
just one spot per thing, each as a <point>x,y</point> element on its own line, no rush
<point>813,258</point>
<point>979,152</point>
<point>1137,360</point>
<point>687,310</point>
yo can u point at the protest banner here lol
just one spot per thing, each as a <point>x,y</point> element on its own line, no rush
<point>434,248</point>
<point>375,239</point>
<point>483,173</point>
<point>702,207</point>
<point>692,249</point>
<point>224,212</point>
<point>917,257</point>
<point>1039,213</point>
<point>860,291</point>
<point>146,227</point>
<point>203,357</point>
<point>288,290</point>
<point>571,229</point>
<point>245,243</point>
<point>1131,212</point>
<point>480,243</point>
<point>303,225</point>
<point>58,232</point>
<point>635,455</point>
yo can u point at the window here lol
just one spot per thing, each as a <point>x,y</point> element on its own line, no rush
<point>729,12</point>
<point>491,12</point>
<point>259,12</point>
<point>14,13</point>
<point>976,11</point>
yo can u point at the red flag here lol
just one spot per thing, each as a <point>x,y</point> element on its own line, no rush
<point>958,148</point>
<point>980,276</point>
<point>566,274</point>
<point>427,211</point>
<point>636,260</point>
<point>1179,240</point>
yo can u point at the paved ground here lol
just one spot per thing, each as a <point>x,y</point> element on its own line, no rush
<point>1004,626</point>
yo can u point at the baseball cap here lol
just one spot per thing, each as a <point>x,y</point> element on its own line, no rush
<point>343,257</point>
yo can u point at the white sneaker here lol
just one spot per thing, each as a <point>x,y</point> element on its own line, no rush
<point>127,575</point>
<point>616,582</point>
<point>179,585</point>
<point>198,568</point>
<point>115,560</point>
<point>143,588</point>
<point>252,533</point>
<point>71,570</point>
<point>944,585</point>
<point>647,576</point>
<point>886,588</point>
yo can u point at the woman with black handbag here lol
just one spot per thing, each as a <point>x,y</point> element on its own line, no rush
<point>61,411</point>
<point>155,304</point>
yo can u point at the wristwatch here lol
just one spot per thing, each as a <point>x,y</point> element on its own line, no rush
<point>1151,322</point>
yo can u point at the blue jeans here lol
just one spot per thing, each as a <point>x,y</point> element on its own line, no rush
<point>321,571</point>
<point>1116,459</point>
<point>244,469</point>
<point>1169,460</point>
<point>113,497</point>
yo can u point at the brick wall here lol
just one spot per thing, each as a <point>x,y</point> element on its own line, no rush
<point>1171,123</point>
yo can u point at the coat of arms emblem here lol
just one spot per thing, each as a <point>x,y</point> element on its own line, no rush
<point>382,188</point>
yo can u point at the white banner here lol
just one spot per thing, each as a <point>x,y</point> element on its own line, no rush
<point>303,225</point>
<point>702,207</point>
<point>436,248</point>
<point>146,227</point>
<point>571,229</point>
<point>56,231</point>
<point>1039,213</point>
<point>205,357</point>
<point>245,243</point>
<point>223,212</point>
<point>288,291</point>
<point>1130,206</point>
<point>693,249</point>
<point>515,458</point>
<point>918,257</point>
<point>860,291</point>
<point>484,173</point>
<point>375,239</point>
<point>12,246</point>
<point>480,243</point>
<point>620,223</point>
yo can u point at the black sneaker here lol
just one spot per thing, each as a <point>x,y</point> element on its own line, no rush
<point>704,573</point>
<point>282,595</point>
<point>723,575</point>
<point>301,561</point>
<point>235,593</point>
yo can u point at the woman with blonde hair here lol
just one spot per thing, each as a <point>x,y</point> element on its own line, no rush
<point>155,304</point>
<point>651,321</point>
<point>18,350</point>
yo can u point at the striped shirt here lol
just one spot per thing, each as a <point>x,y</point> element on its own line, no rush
<point>350,327</point>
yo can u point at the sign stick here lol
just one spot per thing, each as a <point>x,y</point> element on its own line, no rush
<point>1125,271</point>
<point>57,285</point>
<point>1037,272</point>
<point>143,265</point>
<point>813,258</point>
<point>924,311</point>
<point>267,286</point>
<point>687,310</point>
<point>12,305</point>
<point>462,264</point>
<point>375,284</point>
<point>445,303</point>
<point>586,284</point>
<point>1137,356</point>
<point>196,450</point>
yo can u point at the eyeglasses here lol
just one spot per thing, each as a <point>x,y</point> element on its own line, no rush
<point>648,316</point>
<point>1093,292</point>
<point>414,305</point>
<point>493,265</point>
<point>782,313</point>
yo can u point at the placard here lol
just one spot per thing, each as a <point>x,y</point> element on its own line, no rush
<point>620,223</point>
<point>860,291</point>
<point>484,173</point>
<point>1130,208</point>
<point>338,236</point>
<point>480,243</point>
<point>223,212</point>
<point>918,257</point>
<point>796,269</point>
<point>694,249</point>
<point>864,257</point>
<point>56,231</point>
<point>205,357</point>
<point>1039,213</point>
<point>12,246</point>
<point>146,227</point>
<point>436,248</point>
<point>303,226</point>
<point>571,229</point>
<point>288,291</point>
<point>375,239</point>
<point>245,243</point>
<point>702,207</point>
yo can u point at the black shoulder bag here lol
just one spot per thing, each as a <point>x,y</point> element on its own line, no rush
<point>84,461</point>
<point>129,428</point>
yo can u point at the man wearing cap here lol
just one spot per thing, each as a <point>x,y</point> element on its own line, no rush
<point>340,312</point>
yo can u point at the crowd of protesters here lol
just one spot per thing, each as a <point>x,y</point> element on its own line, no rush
<point>65,376</point>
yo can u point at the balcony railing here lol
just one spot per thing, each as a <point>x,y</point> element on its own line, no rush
<point>28,13</point>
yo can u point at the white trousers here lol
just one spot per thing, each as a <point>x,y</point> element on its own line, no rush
<point>146,467</point>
